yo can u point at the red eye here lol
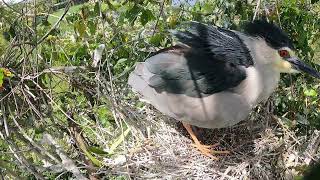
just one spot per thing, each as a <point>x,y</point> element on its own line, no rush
<point>284,53</point>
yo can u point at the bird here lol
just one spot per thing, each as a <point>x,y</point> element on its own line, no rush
<point>213,77</point>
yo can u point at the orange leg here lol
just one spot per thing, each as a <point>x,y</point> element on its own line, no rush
<point>204,149</point>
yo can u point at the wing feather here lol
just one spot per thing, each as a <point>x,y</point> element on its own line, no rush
<point>220,44</point>
<point>211,60</point>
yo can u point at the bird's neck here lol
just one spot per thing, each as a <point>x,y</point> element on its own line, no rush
<point>262,78</point>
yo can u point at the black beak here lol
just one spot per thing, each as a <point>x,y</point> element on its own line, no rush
<point>301,66</point>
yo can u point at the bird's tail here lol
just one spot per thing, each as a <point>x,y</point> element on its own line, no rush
<point>136,80</point>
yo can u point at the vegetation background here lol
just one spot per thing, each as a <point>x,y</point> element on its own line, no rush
<point>67,112</point>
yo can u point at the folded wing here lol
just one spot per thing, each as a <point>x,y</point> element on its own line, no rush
<point>210,60</point>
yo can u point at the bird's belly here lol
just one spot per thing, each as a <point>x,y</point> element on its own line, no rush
<point>215,111</point>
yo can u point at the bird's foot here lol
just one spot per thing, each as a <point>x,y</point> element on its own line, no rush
<point>208,151</point>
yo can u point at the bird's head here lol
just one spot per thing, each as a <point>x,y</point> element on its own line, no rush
<point>277,47</point>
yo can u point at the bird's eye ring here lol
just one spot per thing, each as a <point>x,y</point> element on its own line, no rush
<point>284,53</point>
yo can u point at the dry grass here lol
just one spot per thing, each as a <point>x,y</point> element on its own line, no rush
<point>261,147</point>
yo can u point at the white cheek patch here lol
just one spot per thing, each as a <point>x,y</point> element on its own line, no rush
<point>284,66</point>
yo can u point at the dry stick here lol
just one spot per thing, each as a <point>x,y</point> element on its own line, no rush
<point>21,138</point>
<point>31,104</point>
<point>277,8</point>
<point>36,36</point>
<point>4,119</point>
<point>67,163</point>
<point>48,33</point>
<point>285,128</point>
<point>8,52</point>
<point>114,103</point>
<point>25,163</point>
<point>16,87</point>
<point>312,147</point>
<point>4,2</point>
<point>56,24</point>
<point>161,11</point>
<point>14,98</point>
<point>20,158</point>
<point>257,9</point>
<point>20,151</point>
<point>25,135</point>
<point>52,101</point>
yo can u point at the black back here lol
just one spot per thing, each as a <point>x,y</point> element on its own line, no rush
<point>273,35</point>
<point>217,43</point>
<point>214,61</point>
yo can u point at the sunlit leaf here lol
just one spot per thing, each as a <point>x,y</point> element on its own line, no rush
<point>97,150</point>
<point>156,39</point>
<point>146,16</point>
<point>310,92</point>
<point>132,13</point>
<point>80,27</point>
<point>119,140</point>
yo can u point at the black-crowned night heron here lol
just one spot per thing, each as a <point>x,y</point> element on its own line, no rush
<point>216,76</point>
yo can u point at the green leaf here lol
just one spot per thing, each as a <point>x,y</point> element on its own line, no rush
<point>96,9</point>
<point>156,39</point>
<point>39,130</point>
<point>146,16</point>
<point>301,119</point>
<point>80,28</point>
<point>132,13</point>
<point>1,77</point>
<point>12,32</point>
<point>120,62</point>
<point>119,140</point>
<point>97,150</point>
<point>92,27</point>
<point>94,160</point>
<point>298,178</point>
<point>208,8</point>
<point>310,92</point>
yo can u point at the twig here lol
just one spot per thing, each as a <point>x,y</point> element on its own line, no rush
<point>47,34</point>
<point>313,146</point>
<point>25,135</point>
<point>160,14</point>
<point>285,129</point>
<point>21,159</point>
<point>67,163</point>
<point>113,99</point>
<point>256,10</point>
<point>4,2</point>
<point>56,24</point>
<point>277,8</point>
<point>4,119</point>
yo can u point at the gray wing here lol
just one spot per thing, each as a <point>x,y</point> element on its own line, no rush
<point>183,71</point>
<point>213,60</point>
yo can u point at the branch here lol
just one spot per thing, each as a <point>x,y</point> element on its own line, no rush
<point>47,34</point>
<point>67,163</point>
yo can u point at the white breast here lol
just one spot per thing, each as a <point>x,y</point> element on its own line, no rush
<point>262,77</point>
<point>259,84</point>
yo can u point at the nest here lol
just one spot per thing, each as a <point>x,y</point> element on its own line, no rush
<point>262,147</point>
